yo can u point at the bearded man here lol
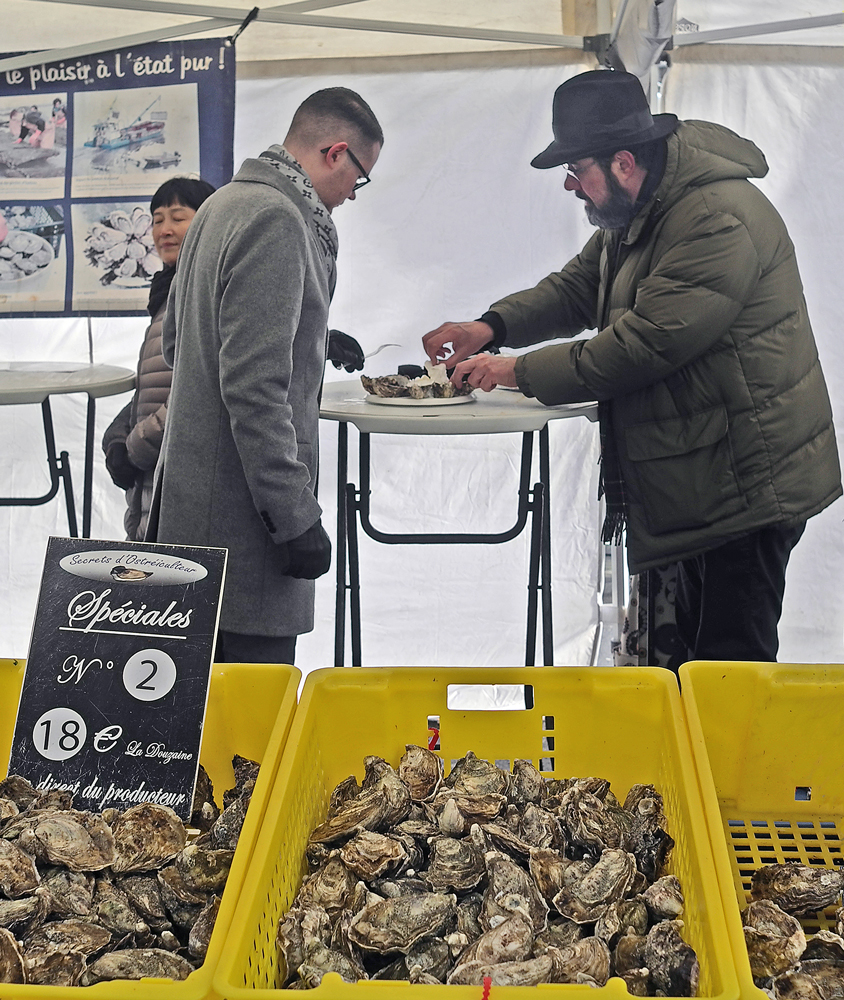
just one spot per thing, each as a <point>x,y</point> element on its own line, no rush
<point>717,440</point>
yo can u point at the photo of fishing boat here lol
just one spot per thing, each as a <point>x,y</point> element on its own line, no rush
<point>108,133</point>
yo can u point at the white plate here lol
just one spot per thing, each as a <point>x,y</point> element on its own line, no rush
<point>409,401</point>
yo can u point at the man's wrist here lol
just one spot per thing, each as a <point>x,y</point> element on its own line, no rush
<point>499,330</point>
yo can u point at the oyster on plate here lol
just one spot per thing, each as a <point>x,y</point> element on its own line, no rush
<point>434,385</point>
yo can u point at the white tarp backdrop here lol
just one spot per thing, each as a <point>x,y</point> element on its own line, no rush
<point>455,218</point>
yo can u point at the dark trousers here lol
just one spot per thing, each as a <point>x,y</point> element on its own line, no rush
<point>234,647</point>
<point>729,600</point>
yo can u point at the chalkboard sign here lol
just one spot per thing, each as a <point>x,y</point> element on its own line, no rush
<point>116,681</point>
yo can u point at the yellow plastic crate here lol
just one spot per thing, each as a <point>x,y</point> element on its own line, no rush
<point>250,710</point>
<point>625,725</point>
<point>765,737</point>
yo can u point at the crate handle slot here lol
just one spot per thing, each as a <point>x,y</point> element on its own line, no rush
<point>803,793</point>
<point>490,697</point>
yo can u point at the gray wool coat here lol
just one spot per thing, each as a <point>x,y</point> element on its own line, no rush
<point>245,332</point>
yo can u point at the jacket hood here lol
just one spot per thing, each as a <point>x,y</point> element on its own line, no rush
<point>699,153</point>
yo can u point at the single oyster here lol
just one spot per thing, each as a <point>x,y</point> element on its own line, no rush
<point>509,941</point>
<point>82,841</point>
<point>638,982</point>
<point>558,934</point>
<point>114,911</point>
<point>664,898</point>
<point>397,924</point>
<point>549,869</point>
<point>798,889</point>
<point>330,887</point>
<point>55,968</point>
<point>8,808</point>
<point>421,770</point>
<point>672,963</point>
<point>18,874</point>
<point>81,937</point>
<point>588,824</point>
<point>377,807</point>
<point>70,894</point>
<point>796,986</point>
<point>371,855</point>
<point>14,912</point>
<point>200,933</point>
<point>531,972</point>
<point>19,790</point>
<point>474,777</point>
<point>608,881</point>
<point>298,928</point>
<point>647,839</point>
<point>774,939</point>
<point>629,953</point>
<point>12,966</point>
<point>144,893</point>
<point>828,976</point>
<point>527,784</point>
<point>589,957</point>
<point>146,836</point>
<point>510,889</point>
<point>137,963</point>
<point>386,385</point>
<point>204,811</point>
<point>225,831</point>
<point>430,955</point>
<point>620,917</point>
<point>540,828</point>
<point>454,866</point>
<point>824,945</point>
<point>319,960</point>
<point>204,870</point>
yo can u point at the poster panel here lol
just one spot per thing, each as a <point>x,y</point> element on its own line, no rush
<point>84,144</point>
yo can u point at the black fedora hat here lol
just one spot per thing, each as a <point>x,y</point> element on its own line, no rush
<point>600,112</point>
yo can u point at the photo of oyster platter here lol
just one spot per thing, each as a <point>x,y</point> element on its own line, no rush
<point>416,386</point>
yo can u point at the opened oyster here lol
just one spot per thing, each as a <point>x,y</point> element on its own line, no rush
<point>87,897</point>
<point>434,385</point>
<point>485,874</point>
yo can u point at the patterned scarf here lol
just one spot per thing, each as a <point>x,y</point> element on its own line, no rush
<point>319,218</point>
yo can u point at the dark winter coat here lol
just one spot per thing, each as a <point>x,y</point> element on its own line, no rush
<point>720,413</point>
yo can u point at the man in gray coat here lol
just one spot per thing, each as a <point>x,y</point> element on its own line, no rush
<point>246,334</point>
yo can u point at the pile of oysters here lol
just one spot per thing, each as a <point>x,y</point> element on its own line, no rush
<point>432,383</point>
<point>783,963</point>
<point>87,897</point>
<point>488,874</point>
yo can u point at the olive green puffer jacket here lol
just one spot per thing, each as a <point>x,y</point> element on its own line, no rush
<point>720,413</point>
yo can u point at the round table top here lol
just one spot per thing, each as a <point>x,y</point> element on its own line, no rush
<point>497,412</point>
<point>34,381</point>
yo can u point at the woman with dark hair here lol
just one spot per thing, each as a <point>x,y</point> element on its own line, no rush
<point>133,440</point>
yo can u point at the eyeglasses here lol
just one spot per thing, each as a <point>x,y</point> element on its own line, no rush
<point>361,181</point>
<point>577,171</point>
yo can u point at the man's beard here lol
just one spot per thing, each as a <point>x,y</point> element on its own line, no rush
<point>616,213</point>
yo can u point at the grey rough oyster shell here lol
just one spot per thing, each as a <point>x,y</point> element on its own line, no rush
<point>245,775</point>
<point>542,829</point>
<point>589,957</point>
<point>114,911</point>
<point>589,824</point>
<point>18,872</point>
<point>828,975</point>
<point>12,966</point>
<point>510,889</point>
<point>146,836</point>
<point>69,894</point>
<point>509,941</point>
<point>371,855</point>
<point>796,985</point>
<point>454,866</point>
<point>397,924</point>
<point>664,898</point>
<point>629,953</point>
<point>137,963</point>
<point>19,790</point>
<point>225,831</point>
<point>456,812</point>
<point>620,917</point>
<point>468,916</point>
<point>527,783</point>
<point>559,934</point>
<point>430,955</point>
<point>609,880</point>
<point>65,937</point>
<point>204,811</point>
<point>474,777</point>
<point>81,841</point>
<point>385,385</point>
<point>647,838</point>
<point>299,926</point>
<point>203,869</point>
<point>392,888</point>
<point>26,909</point>
<point>672,963</point>
<point>55,968</point>
<point>775,940</point>
<point>551,870</point>
<point>320,960</point>
<point>330,888</point>
<point>8,808</point>
<point>144,893</point>
<point>530,972</point>
<point>796,888</point>
<point>200,933</point>
<point>379,805</point>
<point>421,770</point>
<point>824,945</point>
<point>637,981</point>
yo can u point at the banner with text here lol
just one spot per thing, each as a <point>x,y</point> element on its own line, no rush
<point>116,681</point>
<point>84,144</point>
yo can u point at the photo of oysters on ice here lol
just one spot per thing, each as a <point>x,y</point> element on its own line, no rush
<point>488,874</point>
<point>433,385</point>
<point>784,963</point>
<point>87,897</point>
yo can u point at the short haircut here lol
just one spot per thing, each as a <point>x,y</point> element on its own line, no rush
<point>646,154</point>
<point>187,191</point>
<point>330,114</point>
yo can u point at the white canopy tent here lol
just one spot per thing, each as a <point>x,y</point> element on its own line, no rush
<point>456,218</point>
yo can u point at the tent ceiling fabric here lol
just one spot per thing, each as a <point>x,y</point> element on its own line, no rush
<point>343,29</point>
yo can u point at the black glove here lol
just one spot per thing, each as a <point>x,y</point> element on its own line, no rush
<point>344,351</point>
<point>310,553</point>
<point>119,467</point>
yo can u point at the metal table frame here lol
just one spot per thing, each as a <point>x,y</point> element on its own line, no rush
<point>35,382</point>
<point>533,504</point>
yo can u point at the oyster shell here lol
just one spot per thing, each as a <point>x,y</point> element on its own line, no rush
<point>510,889</point>
<point>798,889</point>
<point>329,889</point>
<point>320,960</point>
<point>589,957</point>
<point>530,972</point>
<point>620,917</point>
<point>664,898</point>
<point>509,941</point>
<point>421,771</point>
<point>205,870</point>
<point>146,836</point>
<point>69,894</point>
<point>18,873</point>
<point>204,811</point>
<point>137,963</point>
<point>774,939</point>
<point>114,911</point>
<point>81,841</point>
<point>454,866</point>
<point>587,899</point>
<point>12,965</point>
<point>397,924</point>
<point>672,963</point>
<point>371,855</point>
<point>796,985</point>
<point>200,933</point>
<point>476,778</point>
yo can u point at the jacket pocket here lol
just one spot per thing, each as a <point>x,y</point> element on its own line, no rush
<point>683,471</point>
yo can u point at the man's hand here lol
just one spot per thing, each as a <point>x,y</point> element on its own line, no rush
<point>486,371</point>
<point>309,554</point>
<point>465,339</point>
<point>344,351</point>
<point>119,465</point>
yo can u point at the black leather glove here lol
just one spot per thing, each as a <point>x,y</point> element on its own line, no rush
<point>344,351</point>
<point>119,467</point>
<point>310,553</point>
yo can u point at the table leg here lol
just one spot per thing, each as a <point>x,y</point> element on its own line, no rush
<point>354,573</point>
<point>533,572</point>
<point>87,484</point>
<point>59,468</point>
<point>545,552</point>
<point>340,554</point>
